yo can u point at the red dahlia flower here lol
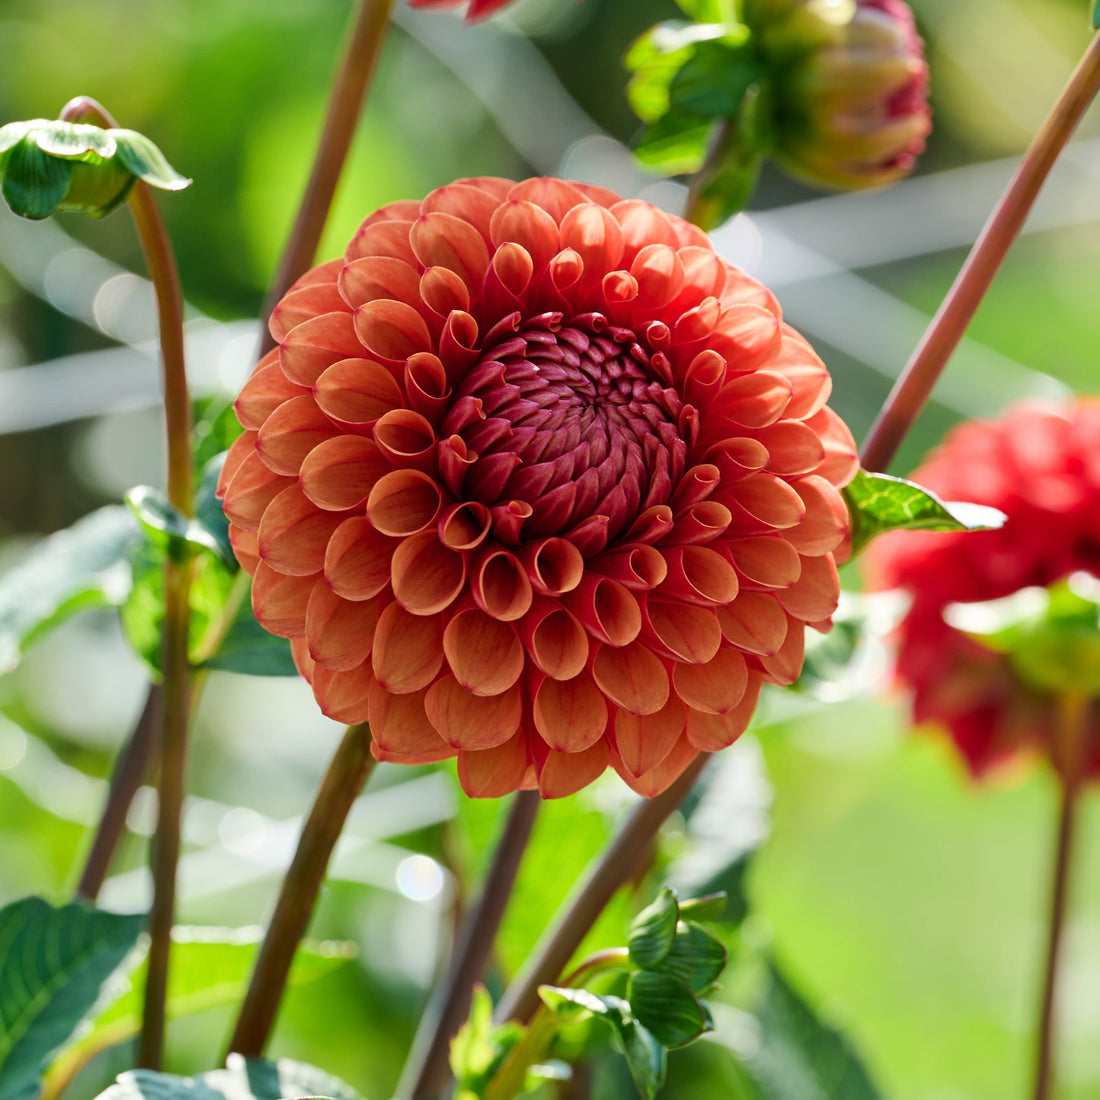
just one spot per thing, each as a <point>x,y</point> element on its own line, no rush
<point>1041,467</point>
<point>537,479</point>
<point>478,9</point>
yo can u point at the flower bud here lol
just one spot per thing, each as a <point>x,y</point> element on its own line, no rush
<point>48,166</point>
<point>850,87</point>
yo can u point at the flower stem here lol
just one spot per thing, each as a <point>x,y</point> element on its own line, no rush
<point>345,104</point>
<point>427,1070</point>
<point>130,770</point>
<point>912,389</point>
<point>347,773</point>
<point>622,859</point>
<point>1073,716</point>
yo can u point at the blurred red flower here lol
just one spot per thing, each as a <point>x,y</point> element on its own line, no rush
<point>537,479</point>
<point>478,9</point>
<point>1041,467</point>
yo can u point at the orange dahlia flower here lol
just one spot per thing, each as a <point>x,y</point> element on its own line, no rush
<point>1041,467</point>
<point>537,479</point>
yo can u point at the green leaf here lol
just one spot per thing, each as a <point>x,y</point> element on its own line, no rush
<point>86,565</point>
<point>713,81</point>
<point>655,59</point>
<point>210,967</point>
<point>243,1079</point>
<point>480,1046</point>
<point>34,182</point>
<point>147,162</point>
<point>14,132</point>
<point>54,964</point>
<point>216,430</point>
<point>209,514</point>
<point>665,1006</point>
<point>697,958</point>
<point>796,1056</point>
<point>653,929</point>
<point>74,139</point>
<point>707,907</point>
<point>170,530</point>
<point>675,144</point>
<point>709,11</point>
<point>880,503</point>
<point>249,649</point>
<point>1096,16</point>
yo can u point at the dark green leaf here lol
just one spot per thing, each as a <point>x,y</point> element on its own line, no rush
<point>713,81</point>
<point>249,649</point>
<point>210,967</point>
<point>796,1056</point>
<point>653,929</point>
<point>880,503</point>
<point>86,565</point>
<point>244,1079</point>
<point>209,514</point>
<point>146,161</point>
<point>54,964</point>
<point>665,1006</point>
<point>697,958</point>
<point>34,183</point>
<point>1096,16</point>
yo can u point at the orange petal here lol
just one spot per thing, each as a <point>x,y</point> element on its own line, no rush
<point>357,392</point>
<point>339,632</point>
<point>252,488</point>
<point>768,561</point>
<point>426,386</point>
<point>660,275</point>
<point>266,389</point>
<point>554,565</point>
<point>472,722</point>
<point>391,330</point>
<point>383,238</point>
<point>339,473</point>
<point>493,773</point>
<point>557,643</point>
<point>687,633</point>
<point>245,549</point>
<point>813,597</point>
<point>280,602</point>
<point>755,399</point>
<point>446,241</point>
<point>294,533</point>
<point>239,450</point>
<point>500,586</point>
<point>643,224</point>
<point>484,654</point>
<point>316,344</point>
<point>426,576</point>
<point>570,715</point>
<point>793,448</point>
<point>403,503</point>
<point>442,291</point>
<point>565,773</point>
<point>408,650</point>
<point>301,303</point>
<point>841,459</point>
<point>528,225</point>
<point>699,575</point>
<point>291,432</point>
<point>754,623</point>
<point>607,610</point>
<point>357,560</point>
<point>554,196</point>
<point>400,728</point>
<point>712,732</point>
<point>594,234</point>
<point>826,521</point>
<point>769,500</point>
<point>471,203</point>
<point>632,677</point>
<point>406,439</point>
<point>465,526</point>
<point>701,522</point>
<point>644,740</point>
<point>785,664</point>
<point>374,277</point>
<point>653,782</point>
<point>715,687</point>
<point>342,696</point>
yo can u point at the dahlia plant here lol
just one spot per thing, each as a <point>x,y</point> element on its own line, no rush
<point>531,478</point>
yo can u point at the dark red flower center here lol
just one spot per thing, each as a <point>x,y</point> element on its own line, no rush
<point>577,424</point>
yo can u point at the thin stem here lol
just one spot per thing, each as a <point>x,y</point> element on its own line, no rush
<point>1073,714</point>
<point>427,1070</point>
<point>912,389</point>
<point>347,773</point>
<point>345,104</point>
<point>622,859</point>
<point>131,767</point>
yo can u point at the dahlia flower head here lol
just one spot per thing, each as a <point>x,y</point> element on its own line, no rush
<point>1041,467</point>
<point>536,479</point>
<point>851,88</point>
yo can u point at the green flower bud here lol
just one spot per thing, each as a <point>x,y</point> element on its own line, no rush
<point>51,165</point>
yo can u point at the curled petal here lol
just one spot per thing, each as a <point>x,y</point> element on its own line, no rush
<point>659,274</point>
<point>294,533</point>
<point>555,566</point>
<point>465,526</point>
<point>606,609</point>
<point>556,642</point>
<point>426,386</point>
<point>632,677</point>
<point>408,650</point>
<point>339,632</point>
<point>406,439</point>
<point>793,448</point>
<point>404,502</point>
<point>472,722</point>
<point>426,576</point>
<point>594,234</point>
<point>340,472</point>
<point>699,575</point>
<point>500,586</point>
<point>639,568</point>
<point>443,292</point>
<point>446,241</point>
<point>280,602</point>
<point>529,225</point>
<point>771,502</point>
<point>564,773</point>
<point>485,655</point>
<point>357,559</point>
<point>493,773</point>
<point>400,728</point>
<point>754,400</point>
<point>713,732</point>
<point>357,392</point>
<point>570,715</point>
<point>374,277</point>
<point>391,330</point>
<point>715,687</point>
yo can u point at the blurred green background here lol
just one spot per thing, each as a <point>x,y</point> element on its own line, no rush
<point>906,903</point>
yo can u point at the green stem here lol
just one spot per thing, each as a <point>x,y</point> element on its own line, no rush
<point>621,861</point>
<point>345,104</point>
<point>347,773</point>
<point>1073,725</point>
<point>912,389</point>
<point>164,276</point>
<point>427,1070</point>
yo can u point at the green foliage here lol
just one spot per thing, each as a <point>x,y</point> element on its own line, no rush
<point>653,930</point>
<point>1096,16</point>
<point>210,967</point>
<point>84,566</point>
<point>480,1047</point>
<point>879,503</point>
<point>54,965</point>
<point>243,1079</point>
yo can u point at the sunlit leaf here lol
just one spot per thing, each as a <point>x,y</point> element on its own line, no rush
<point>666,1007</point>
<point>146,161</point>
<point>653,930</point>
<point>54,964</point>
<point>170,530</point>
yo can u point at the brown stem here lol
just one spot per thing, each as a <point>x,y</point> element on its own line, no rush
<point>345,104</point>
<point>1073,723</point>
<point>623,858</point>
<point>131,768</point>
<point>912,389</point>
<point>349,770</point>
<point>427,1070</point>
